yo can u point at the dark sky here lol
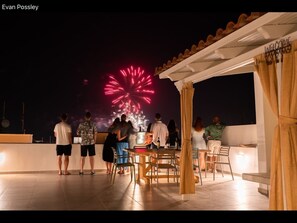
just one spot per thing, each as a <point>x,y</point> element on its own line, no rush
<point>46,56</point>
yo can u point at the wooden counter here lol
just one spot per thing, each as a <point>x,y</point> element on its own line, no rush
<point>16,138</point>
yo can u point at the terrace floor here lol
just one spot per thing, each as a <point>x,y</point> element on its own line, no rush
<point>50,191</point>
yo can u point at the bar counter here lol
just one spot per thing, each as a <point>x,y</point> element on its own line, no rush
<point>35,157</point>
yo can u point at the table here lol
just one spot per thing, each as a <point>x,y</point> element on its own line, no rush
<point>143,166</point>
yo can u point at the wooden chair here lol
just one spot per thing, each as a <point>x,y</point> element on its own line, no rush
<point>195,154</point>
<point>163,159</point>
<point>222,158</point>
<point>116,164</point>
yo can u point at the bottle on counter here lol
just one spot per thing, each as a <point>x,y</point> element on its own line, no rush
<point>158,143</point>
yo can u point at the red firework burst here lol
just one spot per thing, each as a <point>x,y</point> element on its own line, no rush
<point>132,88</point>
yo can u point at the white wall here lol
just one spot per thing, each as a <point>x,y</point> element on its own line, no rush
<point>266,122</point>
<point>41,157</point>
<point>240,134</point>
<point>244,159</point>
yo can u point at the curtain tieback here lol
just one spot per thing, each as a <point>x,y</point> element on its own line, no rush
<point>187,143</point>
<point>187,140</point>
<point>283,120</point>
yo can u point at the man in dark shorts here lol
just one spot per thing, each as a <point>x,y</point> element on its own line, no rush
<point>87,131</point>
<point>63,136</point>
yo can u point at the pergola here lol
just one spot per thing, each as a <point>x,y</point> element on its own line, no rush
<point>259,43</point>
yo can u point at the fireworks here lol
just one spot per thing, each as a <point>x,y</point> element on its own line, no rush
<point>130,89</point>
<point>139,121</point>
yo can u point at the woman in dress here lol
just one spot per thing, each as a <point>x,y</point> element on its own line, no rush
<point>110,141</point>
<point>173,133</point>
<point>198,142</point>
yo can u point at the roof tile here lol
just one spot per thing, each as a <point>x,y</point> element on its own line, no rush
<point>193,49</point>
<point>229,28</point>
<point>209,40</point>
<point>201,45</point>
<point>243,19</point>
<point>219,34</point>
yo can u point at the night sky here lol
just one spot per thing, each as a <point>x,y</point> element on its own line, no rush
<point>46,56</point>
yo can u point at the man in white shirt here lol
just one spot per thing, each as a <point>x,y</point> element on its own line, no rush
<point>63,136</point>
<point>159,131</point>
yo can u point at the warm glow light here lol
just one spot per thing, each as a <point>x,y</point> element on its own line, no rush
<point>240,193</point>
<point>242,161</point>
<point>2,158</point>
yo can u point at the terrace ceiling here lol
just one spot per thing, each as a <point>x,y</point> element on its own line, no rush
<point>230,51</point>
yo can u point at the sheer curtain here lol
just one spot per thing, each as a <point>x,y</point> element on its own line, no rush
<point>187,182</point>
<point>283,175</point>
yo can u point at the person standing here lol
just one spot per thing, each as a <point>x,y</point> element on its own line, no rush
<point>122,141</point>
<point>63,134</point>
<point>159,131</point>
<point>173,137</point>
<point>148,138</point>
<point>132,135</point>
<point>110,141</point>
<point>213,134</point>
<point>198,142</point>
<point>87,130</point>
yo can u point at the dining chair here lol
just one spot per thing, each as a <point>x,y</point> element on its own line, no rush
<point>222,158</point>
<point>196,154</point>
<point>128,162</point>
<point>163,159</point>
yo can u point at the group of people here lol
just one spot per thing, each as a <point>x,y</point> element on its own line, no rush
<point>208,138</point>
<point>87,130</point>
<point>160,135</point>
<point>122,135</point>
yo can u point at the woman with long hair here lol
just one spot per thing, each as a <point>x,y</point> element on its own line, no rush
<point>173,133</point>
<point>198,141</point>
<point>110,141</point>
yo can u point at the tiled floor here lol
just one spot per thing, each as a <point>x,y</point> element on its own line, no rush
<point>49,191</point>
